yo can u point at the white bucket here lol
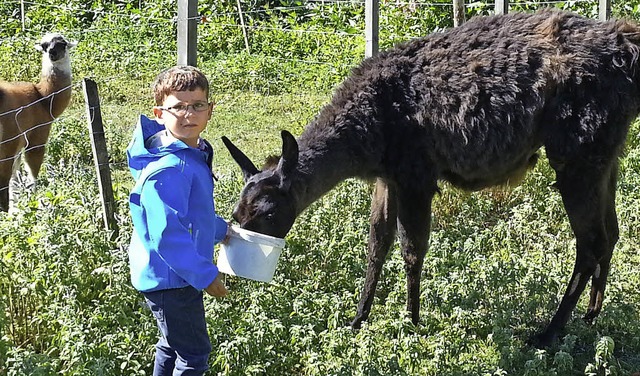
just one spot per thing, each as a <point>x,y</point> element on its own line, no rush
<point>250,255</point>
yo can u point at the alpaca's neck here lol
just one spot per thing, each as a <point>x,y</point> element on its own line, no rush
<point>331,153</point>
<point>55,81</point>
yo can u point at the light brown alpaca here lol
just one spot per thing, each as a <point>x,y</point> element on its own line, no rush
<point>27,111</point>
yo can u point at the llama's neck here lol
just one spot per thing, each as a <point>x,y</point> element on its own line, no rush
<point>55,81</point>
<point>332,152</point>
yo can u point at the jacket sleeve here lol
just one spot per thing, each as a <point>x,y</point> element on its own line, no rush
<point>165,198</point>
<point>221,227</point>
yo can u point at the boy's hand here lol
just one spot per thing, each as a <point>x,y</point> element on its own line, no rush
<point>228,235</point>
<point>216,288</point>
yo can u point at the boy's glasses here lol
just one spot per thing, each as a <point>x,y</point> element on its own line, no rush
<point>181,109</point>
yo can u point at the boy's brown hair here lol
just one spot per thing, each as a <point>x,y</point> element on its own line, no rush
<point>179,78</point>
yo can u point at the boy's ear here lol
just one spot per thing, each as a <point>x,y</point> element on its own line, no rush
<point>158,114</point>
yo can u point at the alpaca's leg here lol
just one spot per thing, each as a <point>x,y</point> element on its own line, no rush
<point>8,162</point>
<point>25,182</point>
<point>34,153</point>
<point>414,224</point>
<point>381,236</point>
<point>5,178</point>
<point>33,162</point>
<point>599,280</point>
<point>589,204</point>
<point>15,184</point>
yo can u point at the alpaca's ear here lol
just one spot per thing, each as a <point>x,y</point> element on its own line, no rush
<point>38,47</point>
<point>71,44</point>
<point>248,168</point>
<point>289,158</point>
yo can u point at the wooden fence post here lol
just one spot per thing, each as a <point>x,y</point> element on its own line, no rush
<point>187,32</point>
<point>244,27</point>
<point>100,154</point>
<point>371,27</point>
<point>458,13</point>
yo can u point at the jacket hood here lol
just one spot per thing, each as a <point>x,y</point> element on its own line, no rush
<point>139,155</point>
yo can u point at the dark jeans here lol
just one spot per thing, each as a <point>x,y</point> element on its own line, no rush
<point>184,345</point>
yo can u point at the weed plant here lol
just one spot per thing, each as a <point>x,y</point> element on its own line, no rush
<point>498,262</point>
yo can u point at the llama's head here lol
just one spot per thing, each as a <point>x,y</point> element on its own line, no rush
<point>267,203</point>
<point>55,51</point>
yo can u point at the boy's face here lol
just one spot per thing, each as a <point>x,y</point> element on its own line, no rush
<point>185,114</point>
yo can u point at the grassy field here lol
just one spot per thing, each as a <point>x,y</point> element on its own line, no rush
<point>498,263</point>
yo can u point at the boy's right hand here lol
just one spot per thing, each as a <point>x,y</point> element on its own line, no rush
<point>228,235</point>
<point>216,288</point>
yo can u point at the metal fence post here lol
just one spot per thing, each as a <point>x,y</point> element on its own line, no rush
<point>371,27</point>
<point>187,32</point>
<point>604,10</point>
<point>502,7</point>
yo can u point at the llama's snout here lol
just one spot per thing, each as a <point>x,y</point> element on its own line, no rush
<point>56,50</point>
<point>55,46</point>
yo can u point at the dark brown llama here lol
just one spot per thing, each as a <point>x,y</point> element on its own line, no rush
<point>471,106</point>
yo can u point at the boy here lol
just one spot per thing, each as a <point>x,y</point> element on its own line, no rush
<point>175,225</point>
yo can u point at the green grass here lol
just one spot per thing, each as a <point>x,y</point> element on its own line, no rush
<point>498,263</point>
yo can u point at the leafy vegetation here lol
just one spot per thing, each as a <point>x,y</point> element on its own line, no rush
<point>497,265</point>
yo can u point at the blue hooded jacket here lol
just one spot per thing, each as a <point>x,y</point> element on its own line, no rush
<point>175,226</point>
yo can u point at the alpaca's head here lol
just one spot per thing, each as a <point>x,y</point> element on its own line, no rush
<point>267,203</point>
<point>55,52</point>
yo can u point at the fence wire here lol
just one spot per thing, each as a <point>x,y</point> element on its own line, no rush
<point>223,20</point>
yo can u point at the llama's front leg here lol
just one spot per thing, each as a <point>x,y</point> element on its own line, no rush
<point>6,170</point>
<point>4,193</point>
<point>381,236</point>
<point>414,223</point>
<point>33,159</point>
<point>589,205</point>
<point>25,183</point>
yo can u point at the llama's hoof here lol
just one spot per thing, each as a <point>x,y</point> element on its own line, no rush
<point>356,324</point>
<point>590,316</point>
<point>543,340</point>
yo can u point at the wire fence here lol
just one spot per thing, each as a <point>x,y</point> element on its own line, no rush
<point>312,23</point>
<point>22,131</point>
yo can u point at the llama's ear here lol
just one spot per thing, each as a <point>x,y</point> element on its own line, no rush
<point>289,158</point>
<point>248,168</point>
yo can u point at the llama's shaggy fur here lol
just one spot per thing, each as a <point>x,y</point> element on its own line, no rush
<point>470,106</point>
<point>27,111</point>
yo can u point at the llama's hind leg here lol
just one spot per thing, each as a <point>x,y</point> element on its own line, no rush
<point>599,280</point>
<point>381,236</point>
<point>414,225</point>
<point>588,203</point>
